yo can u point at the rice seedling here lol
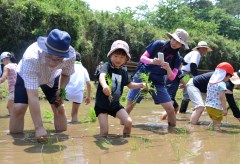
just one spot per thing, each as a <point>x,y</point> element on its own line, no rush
<point>47,116</point>
<point>149,87</point>
<point>186,78</point>
<point>63,93</point>
<point>91,116</point>
<point>109,82</point>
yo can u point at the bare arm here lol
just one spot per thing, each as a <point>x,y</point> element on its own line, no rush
<point>63,81</point>
<point>183,83</point>
<point>34,107</point>
<point>102,80</point>
<point>4,75</point>
<point>223,102</point>
<point>88,97</point>
<point>165,65</point>
<point>133,85</point>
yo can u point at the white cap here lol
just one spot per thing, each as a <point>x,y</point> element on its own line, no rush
<point>5,55</point>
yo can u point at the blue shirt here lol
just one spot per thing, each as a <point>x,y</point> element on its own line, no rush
<point>0,70</point>
<point>171,56</point>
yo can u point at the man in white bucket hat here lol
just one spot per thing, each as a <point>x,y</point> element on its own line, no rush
<point>193,59</point>
<point>47,63</point>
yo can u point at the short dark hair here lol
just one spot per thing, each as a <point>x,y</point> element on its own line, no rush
<point>78,56</point>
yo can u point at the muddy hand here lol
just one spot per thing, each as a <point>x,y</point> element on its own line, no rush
<point>145,87</point>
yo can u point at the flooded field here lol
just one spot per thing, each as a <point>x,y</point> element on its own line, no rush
<point>151,141</point>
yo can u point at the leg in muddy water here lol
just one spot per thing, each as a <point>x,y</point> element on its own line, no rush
<point>16,124</point>
<point>168,106</point>
<point>196,115</point>
<point>129,107</point>
<point>103,122</point>
<point>125,120</point>
<point>60,118</point>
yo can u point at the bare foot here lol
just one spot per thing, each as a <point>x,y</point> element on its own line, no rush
<point>41,135</point>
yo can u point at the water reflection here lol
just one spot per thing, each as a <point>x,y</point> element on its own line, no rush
<point>151,140</point>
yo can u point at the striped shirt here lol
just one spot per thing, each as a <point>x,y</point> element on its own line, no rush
<point>34,70</point>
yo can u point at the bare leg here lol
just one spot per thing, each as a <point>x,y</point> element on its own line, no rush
<point>10,106</point>
<point>217,125</point>
<point>196,115</point>
<point>126,120</point>
<point>16,124</point>
<point>170,113</point>
<point>60,118</point>
<point>129,106</point>
<point>164,116</point>
<point>103,122</point>
<point>74,112</point>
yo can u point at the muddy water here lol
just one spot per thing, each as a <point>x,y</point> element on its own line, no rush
<point>151,140</point>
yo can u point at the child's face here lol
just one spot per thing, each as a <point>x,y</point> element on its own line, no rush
<point>227,78</point>
<point>175,44</point>
<point>118,59</point>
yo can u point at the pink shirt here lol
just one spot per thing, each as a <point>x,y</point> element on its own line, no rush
<point>12,76</point>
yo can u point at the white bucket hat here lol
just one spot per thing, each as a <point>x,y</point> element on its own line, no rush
<point>119,44</point>
<point>204,45</point>
<point>181,36</point>
<point>235,79</point>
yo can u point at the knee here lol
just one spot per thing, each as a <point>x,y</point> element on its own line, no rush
<point>128,122</point>
<point>18,113</point>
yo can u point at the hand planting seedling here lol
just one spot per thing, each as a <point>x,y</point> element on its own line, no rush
<point>147,88</point>
<point>109,81</point>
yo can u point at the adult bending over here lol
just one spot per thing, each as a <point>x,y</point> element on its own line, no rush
<point>47,63</point>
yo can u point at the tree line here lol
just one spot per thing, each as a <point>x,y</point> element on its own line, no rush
<point>93,32</point>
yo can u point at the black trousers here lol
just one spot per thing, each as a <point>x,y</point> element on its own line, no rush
<point>233,106</point>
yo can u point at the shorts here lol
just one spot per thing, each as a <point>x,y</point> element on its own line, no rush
<point>20,93</point>
<point>195,95</point>
<point>11,96</point>
<point>161,96</point>
<point>214,114</point>
<point>111,112</point>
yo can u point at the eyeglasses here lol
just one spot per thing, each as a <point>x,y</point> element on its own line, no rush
<point>51,58</point>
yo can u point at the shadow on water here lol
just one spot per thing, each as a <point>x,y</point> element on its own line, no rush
<point>105,143</point>
<point>232,129</point>
<point>161,129</point>
<point>51,146</point>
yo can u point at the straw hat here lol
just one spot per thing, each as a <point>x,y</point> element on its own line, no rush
<point>181,36</point>
<point>235,79</point>
<point>204,45</point>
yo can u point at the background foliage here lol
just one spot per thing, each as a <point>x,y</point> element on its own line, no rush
<point>93,32</point>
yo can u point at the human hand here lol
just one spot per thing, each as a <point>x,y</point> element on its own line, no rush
<point>145,87</point>
<point>156,61</point>
<point>182,86</point>
<point>225,112</point>
<point>57,100</point>
<point>87,100</point>
<point>165,65</point>
<point>107,91</point>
